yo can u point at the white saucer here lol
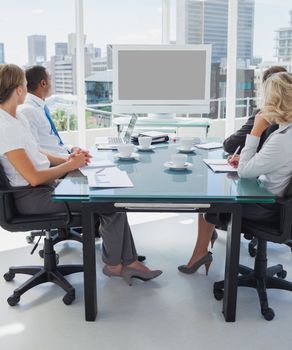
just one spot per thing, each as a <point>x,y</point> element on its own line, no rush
<point>191,150</point>
<point>140,148</point>
<point>133,156</point>
<point>171,166</point>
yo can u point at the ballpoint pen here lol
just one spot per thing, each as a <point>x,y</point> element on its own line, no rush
<point>99,170</point>
<point>234,154</point>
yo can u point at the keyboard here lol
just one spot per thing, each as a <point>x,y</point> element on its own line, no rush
<point>115,140</point>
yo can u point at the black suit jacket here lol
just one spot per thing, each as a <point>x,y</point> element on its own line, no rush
<point>238,138</point>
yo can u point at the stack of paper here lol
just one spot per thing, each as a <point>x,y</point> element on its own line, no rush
<point>220,165</point>
<point>210,145</point>
<point>104,173</point>
<point>109,177</point>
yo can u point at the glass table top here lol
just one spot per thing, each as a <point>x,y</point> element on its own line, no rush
<point>155,183</point>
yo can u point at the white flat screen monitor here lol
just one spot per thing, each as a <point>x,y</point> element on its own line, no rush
<point>161,78</point>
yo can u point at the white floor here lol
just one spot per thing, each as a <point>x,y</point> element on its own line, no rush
<point>175,311</point>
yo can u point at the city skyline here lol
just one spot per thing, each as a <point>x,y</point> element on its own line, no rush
<point>129,23</point>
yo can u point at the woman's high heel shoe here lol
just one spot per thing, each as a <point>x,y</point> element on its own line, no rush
<point>128,273</point>
<point>106,271</point>
<point>214,237</point>
<point>205,260</point>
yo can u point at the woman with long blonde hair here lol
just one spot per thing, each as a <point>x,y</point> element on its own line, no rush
<point>272,164</point>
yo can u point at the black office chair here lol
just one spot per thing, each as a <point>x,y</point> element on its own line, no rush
<point>11,220</point>
<point>261,277</point>
<point>252,245</point>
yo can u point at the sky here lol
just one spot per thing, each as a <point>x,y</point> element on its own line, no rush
<point>114,21</point>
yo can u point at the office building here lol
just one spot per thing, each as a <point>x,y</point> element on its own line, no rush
<point>284,42</point>
<point>37,49</point>
<point>2,55</point>
<point>61,49</point>
<point>206,22</point>
<point>99,64</point>
<point>99,87</point>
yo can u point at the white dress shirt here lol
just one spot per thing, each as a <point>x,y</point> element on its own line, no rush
<point>15,134</point>
<point>33,109</point>
<point>273,163</point>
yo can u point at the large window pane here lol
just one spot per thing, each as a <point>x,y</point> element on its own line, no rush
<point>41,32</point>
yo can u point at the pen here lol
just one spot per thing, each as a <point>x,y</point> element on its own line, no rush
<point>234,154</point>
<point>99,170</point>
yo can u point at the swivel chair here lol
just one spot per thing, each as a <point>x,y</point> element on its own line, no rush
<point>11,220</point>
<point>261,277</point>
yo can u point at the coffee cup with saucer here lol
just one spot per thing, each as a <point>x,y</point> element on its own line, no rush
<point>145,143</point>
<point>126,152</point>
<point>178,162</point>
<point>186,145</point>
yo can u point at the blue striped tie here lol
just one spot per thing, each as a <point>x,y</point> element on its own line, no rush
<point>53,126</point>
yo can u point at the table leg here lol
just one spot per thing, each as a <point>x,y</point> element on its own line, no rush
<point>88,230</point>
<point>231,265</point>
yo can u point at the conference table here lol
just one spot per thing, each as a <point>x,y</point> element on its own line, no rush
<point>159,189</point>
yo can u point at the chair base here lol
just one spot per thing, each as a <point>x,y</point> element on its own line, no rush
<point>50,272</point>
<point>261,278</point>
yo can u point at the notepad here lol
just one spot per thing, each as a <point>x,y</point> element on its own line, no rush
<point>109,178</point>
<point>220,165</point>
<point>210,145</point>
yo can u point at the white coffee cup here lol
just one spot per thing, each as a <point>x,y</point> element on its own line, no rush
<point>145,141</point>
<point>179,160</point>
<point>126,149</point>
<point>186,143</point>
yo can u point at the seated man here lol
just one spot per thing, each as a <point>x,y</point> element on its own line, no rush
<point>38,115</point>
<point>238,138</point>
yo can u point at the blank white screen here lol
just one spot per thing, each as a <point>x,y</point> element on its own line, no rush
<point>161,75</point>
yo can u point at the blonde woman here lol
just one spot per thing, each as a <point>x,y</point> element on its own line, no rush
<point>272,164</point>
<point>26,164</point>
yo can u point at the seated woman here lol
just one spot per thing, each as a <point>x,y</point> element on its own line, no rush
<point>25,164</point>
<point>272,164</point>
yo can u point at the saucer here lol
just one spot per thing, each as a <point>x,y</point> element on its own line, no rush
<point>140,148</point>
<point>182,150</point>
<point>133,156</point>
<point>171,166</point>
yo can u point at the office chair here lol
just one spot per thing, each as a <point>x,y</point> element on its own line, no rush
<point>252,250</point>
<point>11,220</point>
<point>261,277</point>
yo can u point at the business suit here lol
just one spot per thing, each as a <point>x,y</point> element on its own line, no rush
<point>239,137</point>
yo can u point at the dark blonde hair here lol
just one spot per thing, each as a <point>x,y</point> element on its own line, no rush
<point>11,76</point>
<point>277,98</point>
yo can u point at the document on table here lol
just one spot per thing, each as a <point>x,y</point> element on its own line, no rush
<point>95,164</point>
<point>109,178</point>
<point>220,165</point>
<point>210,145</point>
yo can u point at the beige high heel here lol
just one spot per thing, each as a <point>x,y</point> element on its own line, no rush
<point>128,273</point>
<point>205,260</point>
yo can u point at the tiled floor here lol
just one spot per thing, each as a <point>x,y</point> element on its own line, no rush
<point>175,311</point>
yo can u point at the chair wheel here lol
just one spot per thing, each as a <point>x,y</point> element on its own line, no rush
<point>141,258</point>
<point>268,314</point>
<point>41,253</point>
<point>9,276</point>
<point>218,294</point>
<point>68,299</point>
<point>13,300</point>
<point>282,274</point>
<point>29,239</point>
<point>252,251</point>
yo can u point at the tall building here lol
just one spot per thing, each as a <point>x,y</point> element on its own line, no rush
<point>61,49</point>
<point>37,49</point>
<point>284,42</point>
<point>207,21</point>
<point>2,56</point>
